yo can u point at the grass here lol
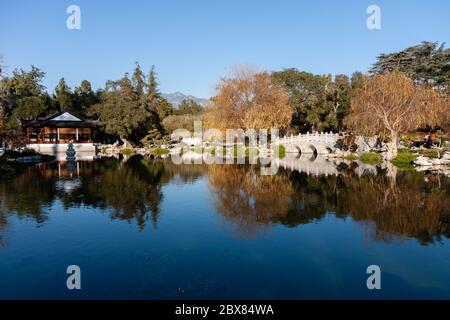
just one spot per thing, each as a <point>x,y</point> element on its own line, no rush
<point>371,158</point>
<point>351,157</point>
<point>404,160</point>
<point>127,152</point>
<point>433,154</point>
<point>159,151</point>
<point>279,151</point>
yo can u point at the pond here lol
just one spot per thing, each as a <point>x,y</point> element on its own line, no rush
<point>150,229</point>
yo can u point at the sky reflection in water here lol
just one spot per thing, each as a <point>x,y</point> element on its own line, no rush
<point>143,229</point>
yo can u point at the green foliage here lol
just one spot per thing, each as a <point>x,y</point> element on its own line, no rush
<point>159,151</point>
<point>127,109</point>
<point>64,96</point>
<point>351,157</point>
<point>84,98</point>
<point>165,108</point>
<point>318,101</point>
<point>22,95</point>
<point>404,159</point>
<point>189,107</point>
<point>427,62</point>
<point>154,137</point>
<point>371,158</point>
<point>434,154</point>
<point>152,83</point>
<point>127,152</point>
<point>279,151</point>
<point>186,121</point>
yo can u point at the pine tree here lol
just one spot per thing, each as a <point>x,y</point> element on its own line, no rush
<point>64,96</point>
<point>138,80</point>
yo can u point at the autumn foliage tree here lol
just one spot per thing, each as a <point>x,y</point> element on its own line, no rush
<point>389,104</point>
<point>249,100</point>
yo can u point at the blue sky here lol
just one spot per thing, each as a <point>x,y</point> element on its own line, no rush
<point>193,43</point>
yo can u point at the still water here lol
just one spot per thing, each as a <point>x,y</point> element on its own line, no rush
<point>147,229</point>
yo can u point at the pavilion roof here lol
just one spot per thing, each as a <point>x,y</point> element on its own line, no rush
<point>63,119</point>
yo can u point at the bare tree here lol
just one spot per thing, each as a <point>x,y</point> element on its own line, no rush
<point>389,104</point>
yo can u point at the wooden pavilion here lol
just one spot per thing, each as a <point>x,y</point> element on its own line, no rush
<point>60,128</point>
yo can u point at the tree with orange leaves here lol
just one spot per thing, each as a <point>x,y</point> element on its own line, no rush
<point>390,104</point>
<point>249,100</point>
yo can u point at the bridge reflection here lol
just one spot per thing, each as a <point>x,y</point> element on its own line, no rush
<point>309,164</point>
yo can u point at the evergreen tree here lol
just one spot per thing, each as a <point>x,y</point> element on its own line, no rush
<point>84,97</point>
<point>64,96</point>
<point>138,80</point>
<point>427,63</point>
<point>152,83</point>
<point>189,106</point>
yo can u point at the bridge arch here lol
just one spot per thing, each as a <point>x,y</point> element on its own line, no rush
<point>317,143</point>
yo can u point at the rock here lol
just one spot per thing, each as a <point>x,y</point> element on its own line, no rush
<point>423,161</point>
<point>436,162</point>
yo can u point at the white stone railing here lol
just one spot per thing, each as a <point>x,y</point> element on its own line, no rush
<point>324,137</point>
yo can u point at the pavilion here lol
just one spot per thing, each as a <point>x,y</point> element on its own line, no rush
<point>53,133</point>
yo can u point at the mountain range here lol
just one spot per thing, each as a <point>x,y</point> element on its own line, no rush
<point>177,97</point>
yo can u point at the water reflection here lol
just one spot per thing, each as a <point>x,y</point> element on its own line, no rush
<point>246,198</point>
<point>389,207</point>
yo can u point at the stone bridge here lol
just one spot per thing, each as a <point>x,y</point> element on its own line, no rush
<point>320,143</point>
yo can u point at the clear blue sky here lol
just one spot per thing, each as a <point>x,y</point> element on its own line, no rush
<point>193,43</point>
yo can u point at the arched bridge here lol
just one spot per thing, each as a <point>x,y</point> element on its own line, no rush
<point>320,143</point>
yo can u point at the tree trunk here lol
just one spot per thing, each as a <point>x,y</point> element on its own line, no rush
<point>392,146</point>
<point>126,144</point>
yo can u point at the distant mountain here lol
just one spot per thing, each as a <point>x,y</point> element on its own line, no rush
<point>177,97</point>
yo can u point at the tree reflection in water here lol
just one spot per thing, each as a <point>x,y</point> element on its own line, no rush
<point>409,205</point>
<point>247,199</point>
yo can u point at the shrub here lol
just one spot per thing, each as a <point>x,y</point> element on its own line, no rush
<point>351,157</point>
<point>159,151</point>
<point>371,158</point>
<point>279,151</point>
<point>127,152</point>
<point>404,160</point>
<point>434,154</point>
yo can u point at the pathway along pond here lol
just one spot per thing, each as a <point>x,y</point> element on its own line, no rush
<point>155,230</point>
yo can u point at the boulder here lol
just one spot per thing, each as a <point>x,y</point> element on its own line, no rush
<point>423,161</point>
